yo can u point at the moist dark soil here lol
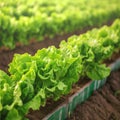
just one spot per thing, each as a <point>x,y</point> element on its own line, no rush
<point>6,55</point>
<point>104,104</point>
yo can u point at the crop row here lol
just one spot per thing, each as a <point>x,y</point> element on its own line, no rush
<point>51,72</point>
<point>23,20</point>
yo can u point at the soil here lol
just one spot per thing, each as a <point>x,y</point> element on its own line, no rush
<point>6,55</point>
<point>104,104</point>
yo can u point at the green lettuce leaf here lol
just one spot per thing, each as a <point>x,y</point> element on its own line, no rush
<point>97,72</point>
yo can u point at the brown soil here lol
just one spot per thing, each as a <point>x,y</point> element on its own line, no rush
<point>6,55</point>
<point>104,104</point>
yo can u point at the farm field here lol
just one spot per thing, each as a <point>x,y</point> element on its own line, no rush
<point>50,51</point>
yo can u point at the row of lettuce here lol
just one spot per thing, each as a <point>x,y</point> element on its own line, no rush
<point>22,20</point>
<point>51,72</point>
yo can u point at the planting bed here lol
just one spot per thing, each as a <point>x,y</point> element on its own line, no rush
<point>27,73</point>
<point>52,105</point>
<point>6,55</point>
<point>104,104</point>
